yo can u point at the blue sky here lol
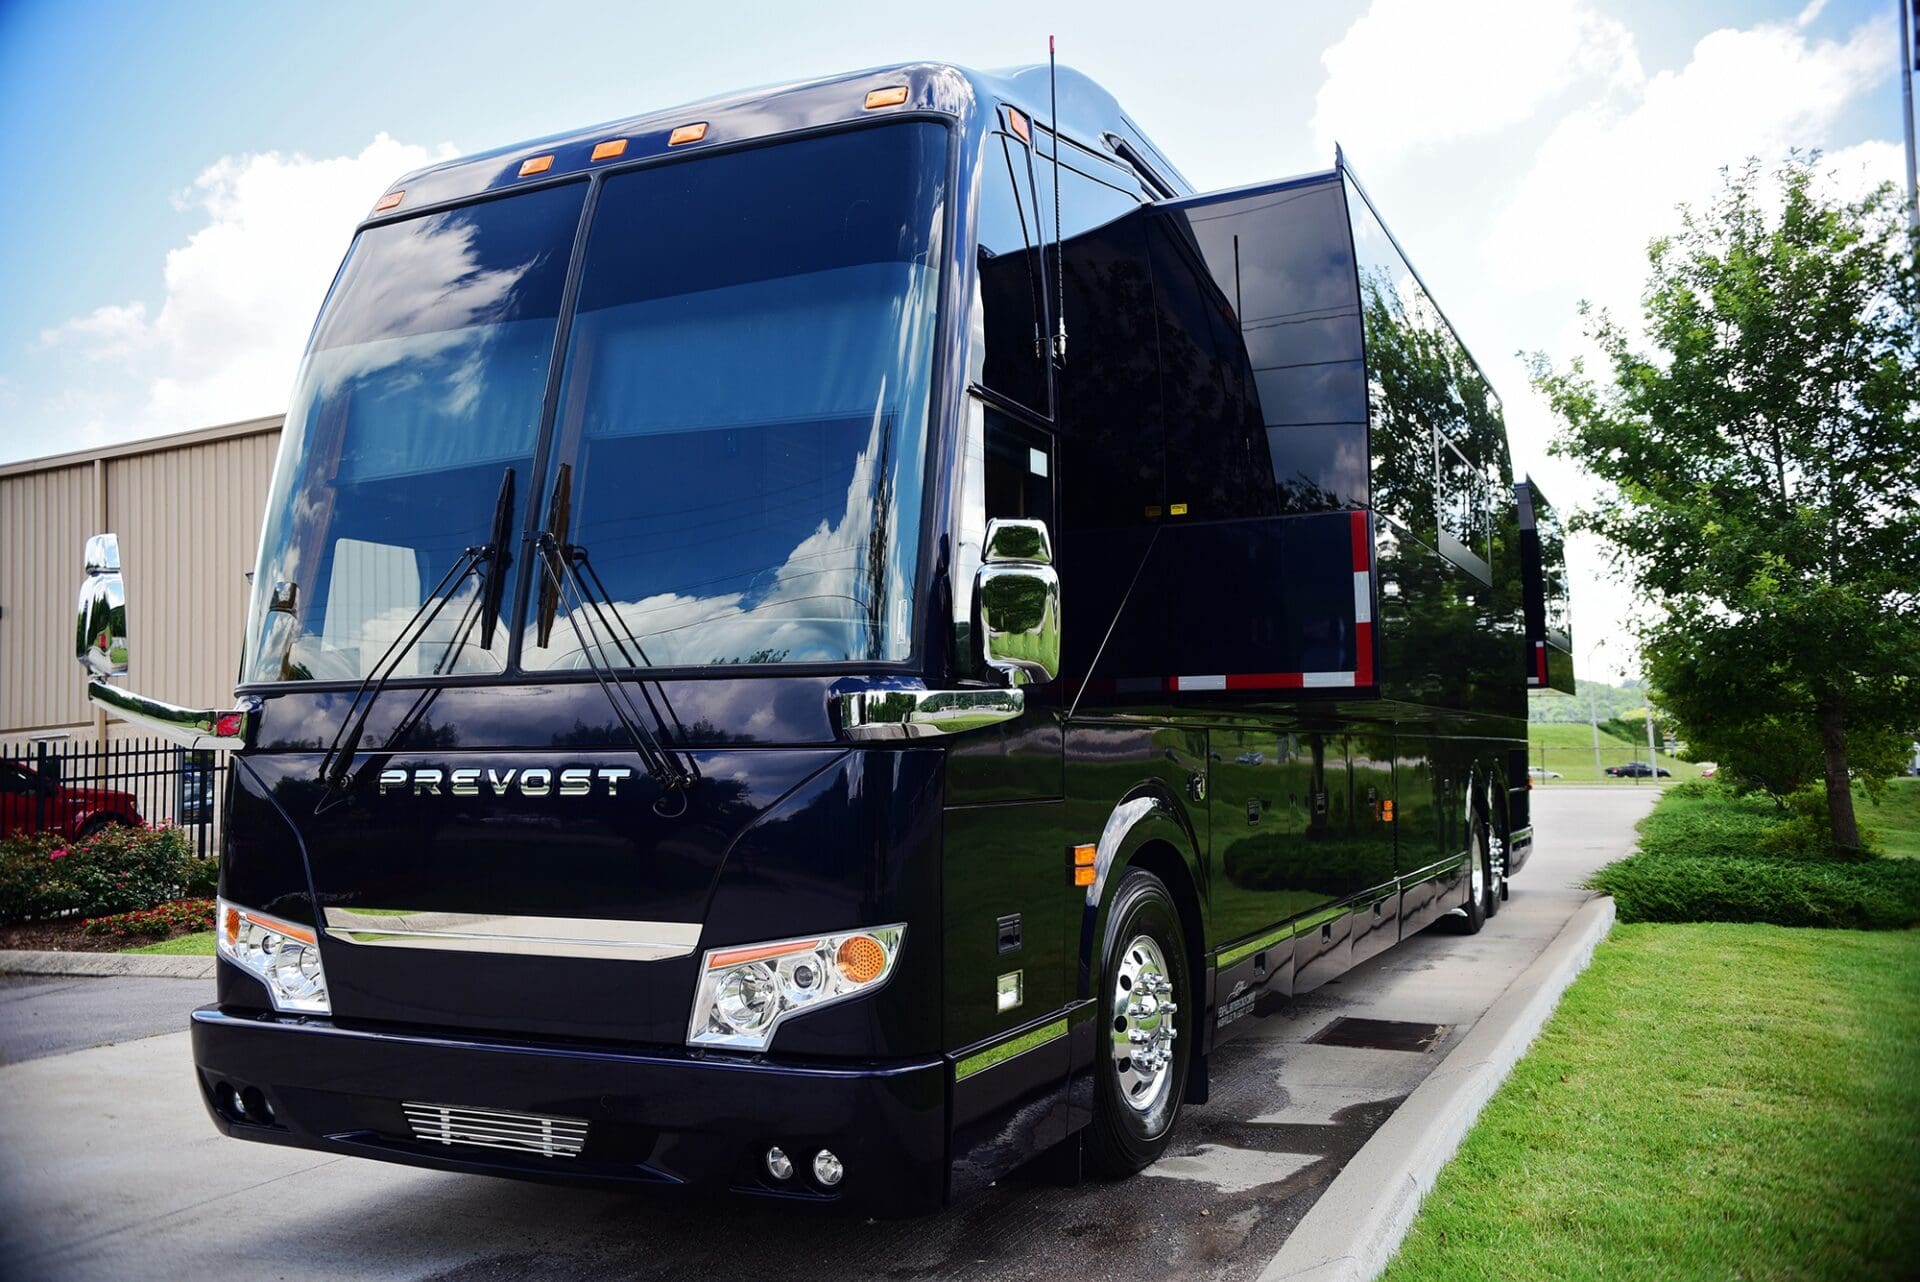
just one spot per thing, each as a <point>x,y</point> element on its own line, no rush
<point>183,178</point>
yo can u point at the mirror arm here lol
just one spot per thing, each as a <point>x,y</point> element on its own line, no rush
<point>207,729</point>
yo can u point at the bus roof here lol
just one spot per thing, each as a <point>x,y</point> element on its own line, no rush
<point>1089,117</point>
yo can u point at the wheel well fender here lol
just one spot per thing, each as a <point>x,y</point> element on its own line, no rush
<point>1145,830</point>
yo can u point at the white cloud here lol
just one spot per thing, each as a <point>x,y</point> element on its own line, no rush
<point>1608,178</point>
<point>241,293</point>
<point>1411,73</point>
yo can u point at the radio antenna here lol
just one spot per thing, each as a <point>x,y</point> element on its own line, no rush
<point>1059,254</point>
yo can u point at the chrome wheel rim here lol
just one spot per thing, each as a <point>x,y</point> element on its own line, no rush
<point>1142,1024</point>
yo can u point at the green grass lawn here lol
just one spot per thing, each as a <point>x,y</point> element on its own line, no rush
<point>1896,818</point>
<point>1567,749</point>
<point>1709,1101</point>
<point>199,944</point>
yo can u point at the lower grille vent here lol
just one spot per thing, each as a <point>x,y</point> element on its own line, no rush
<point>492,1128</point>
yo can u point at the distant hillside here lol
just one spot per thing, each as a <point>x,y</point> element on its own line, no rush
<point>1567,750</point>
<point>1553,708</point>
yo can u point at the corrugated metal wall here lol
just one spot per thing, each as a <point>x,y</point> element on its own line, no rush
<point>187,510</point>
<point>45,518</point>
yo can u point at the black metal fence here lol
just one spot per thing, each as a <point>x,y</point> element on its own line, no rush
<point>65,786</point>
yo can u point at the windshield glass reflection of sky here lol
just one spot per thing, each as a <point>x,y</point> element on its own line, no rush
<point>746,398</point>
<point>423,385</point>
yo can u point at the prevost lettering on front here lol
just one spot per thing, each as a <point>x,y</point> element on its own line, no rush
<point>535,781</point>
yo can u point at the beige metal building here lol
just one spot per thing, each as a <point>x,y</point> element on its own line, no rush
<point>187,509</point>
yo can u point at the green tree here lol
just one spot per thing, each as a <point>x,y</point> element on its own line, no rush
<point>1761,449</point>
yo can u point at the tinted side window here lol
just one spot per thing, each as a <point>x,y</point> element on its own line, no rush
<point>1439,438</point>
<point>1012,317</point>
<point>1111,461</point>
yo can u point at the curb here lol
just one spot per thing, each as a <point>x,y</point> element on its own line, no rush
<point>27,962</point>
<point>1353,1231</point>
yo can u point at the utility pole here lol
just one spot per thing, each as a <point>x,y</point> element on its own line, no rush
<point>1653,754</point>
<point>1909,64</point>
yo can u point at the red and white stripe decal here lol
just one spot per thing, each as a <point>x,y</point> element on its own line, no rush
<point>1538,677</point>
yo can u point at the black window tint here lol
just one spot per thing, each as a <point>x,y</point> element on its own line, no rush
<point>1110,431</point>
<point>1216,449</point>
<point>1439,439</point>
<point>1281,259</point>
<point>1013,317</point>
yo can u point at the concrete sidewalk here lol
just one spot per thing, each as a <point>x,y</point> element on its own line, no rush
<point>109,1167</point>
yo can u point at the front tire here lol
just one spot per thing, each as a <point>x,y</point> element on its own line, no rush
<point>1147,1012</point>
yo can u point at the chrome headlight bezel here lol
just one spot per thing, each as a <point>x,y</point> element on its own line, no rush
<point>746,992</point>
<point>283,956</point>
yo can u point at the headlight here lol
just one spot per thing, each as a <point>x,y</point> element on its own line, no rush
<point>281,955</point>
<point>746,991</point>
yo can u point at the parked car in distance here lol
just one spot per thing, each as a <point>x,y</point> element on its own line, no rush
<point>1638,770</point>
<point>1541,772</point>
<point>32,803</point>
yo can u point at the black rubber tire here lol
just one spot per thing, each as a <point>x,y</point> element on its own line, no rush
<point>99,824</point>
<point>1475,909</point>
<point>1122,1140</point>
<point>1496,884</point>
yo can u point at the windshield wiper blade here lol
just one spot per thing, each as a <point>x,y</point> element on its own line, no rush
<point>490,559</point>
<point>563,563</point>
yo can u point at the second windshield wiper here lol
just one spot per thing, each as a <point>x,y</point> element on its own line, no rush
<point>563,563</point>
<point>490,559</point>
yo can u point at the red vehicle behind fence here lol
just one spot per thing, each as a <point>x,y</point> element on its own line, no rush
<point>30,802</point>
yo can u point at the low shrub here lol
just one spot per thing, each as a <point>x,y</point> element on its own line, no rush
<point>1702,820</point>
<point>117,870</point>
<point>1879,894</point>
<point>163,922</point>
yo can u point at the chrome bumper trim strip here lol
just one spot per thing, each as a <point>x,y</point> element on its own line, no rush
<point>591,937</point>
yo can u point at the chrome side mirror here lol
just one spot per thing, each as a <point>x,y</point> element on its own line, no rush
<point>1016,602</point>
<point>100,627</point>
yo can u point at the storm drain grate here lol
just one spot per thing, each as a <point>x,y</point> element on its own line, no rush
<point>1380,1034</point>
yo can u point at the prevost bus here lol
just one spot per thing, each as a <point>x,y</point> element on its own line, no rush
<point>773,669</point>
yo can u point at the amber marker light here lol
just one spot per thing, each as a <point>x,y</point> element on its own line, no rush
<point>889,97</point>
<point>389,201</point>
<point>536,165</point>
<point>1083,876</point>
<point>231,926</point>
<point>861,959</point>
<point>1019,122</point>
<point>687,133</point>
<point>610,148</point>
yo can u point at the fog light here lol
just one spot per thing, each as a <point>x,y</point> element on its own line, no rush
<point>226,1101</point>
<point>827,1168</point>
<point>779,1165</point>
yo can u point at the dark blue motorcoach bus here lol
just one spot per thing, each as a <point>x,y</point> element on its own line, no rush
<point>834,641</point>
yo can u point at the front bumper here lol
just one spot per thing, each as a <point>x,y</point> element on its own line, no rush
<point>686,1119</point>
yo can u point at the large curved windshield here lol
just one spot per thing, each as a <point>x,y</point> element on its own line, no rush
<point>738,443</point>
<point>421,389</point>
<point>742,429</point>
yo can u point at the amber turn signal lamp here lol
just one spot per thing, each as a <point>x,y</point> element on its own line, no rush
<point>889,97</point>
<point>1083,856</point>
<point>536,165</point>
<point>861,959</point>
<point>610,148</point>
<point>687,133</point>
<point>1083,876</point>
<point>1019,122</point>
<point>388,201</point>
